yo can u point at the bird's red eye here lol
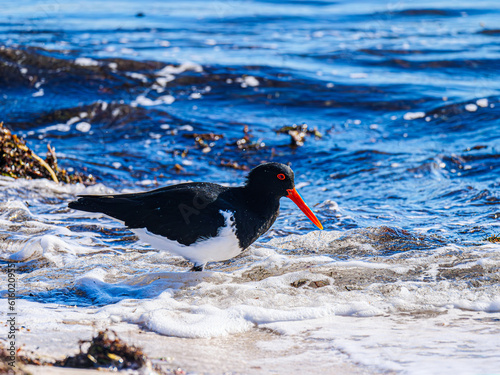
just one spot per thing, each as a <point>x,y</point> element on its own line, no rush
<point>281,176</point>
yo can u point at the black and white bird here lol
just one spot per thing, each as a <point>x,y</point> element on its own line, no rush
<point>201,221</point>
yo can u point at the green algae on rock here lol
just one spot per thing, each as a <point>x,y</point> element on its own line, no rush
<point>19,161</point>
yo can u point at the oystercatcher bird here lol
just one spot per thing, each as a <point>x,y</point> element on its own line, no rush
<point>201,221</point>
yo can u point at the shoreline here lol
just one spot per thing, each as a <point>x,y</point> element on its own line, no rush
<point>254,352</point>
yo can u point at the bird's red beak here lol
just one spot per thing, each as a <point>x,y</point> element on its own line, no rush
<point>297,199</point>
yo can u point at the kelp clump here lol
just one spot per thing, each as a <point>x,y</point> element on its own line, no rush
<point>298,134</point>
<point>108,352</point>
<point>493,238</point>
<point>18,161</point>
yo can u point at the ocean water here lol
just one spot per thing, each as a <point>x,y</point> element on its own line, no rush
<point>403,172</point>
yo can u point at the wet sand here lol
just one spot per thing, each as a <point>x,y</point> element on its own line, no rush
<point>254,352</point>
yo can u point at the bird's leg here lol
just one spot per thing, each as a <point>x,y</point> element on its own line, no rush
<point>197,267</point>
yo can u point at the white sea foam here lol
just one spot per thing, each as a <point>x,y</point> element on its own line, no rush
<point>83,127</point>
<point>482,102</point>
<point>167,99</point>
<point>413,115</point>
<point>40,92</point>
<point>251,81</point>
<point>147,102</point>
<point>404,312</point>
<point>86,61</point>
<point>73,120</point>
<point>471,107</point>
<point>186,66</point>
<point>57,127</point>
<point>139,76</point>
<point>162,81</point>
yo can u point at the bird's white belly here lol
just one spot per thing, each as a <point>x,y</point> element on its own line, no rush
<point>221,247</point>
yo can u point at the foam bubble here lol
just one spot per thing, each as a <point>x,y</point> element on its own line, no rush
<point>147,102</point>
<point>482,103</point>
<point>186,66</point>
<point>83,127</point>
<point>251,81</point>
<point>85,61</point>
<point>413,115</point>
<point>38,93</point>
<point>200,322</point>
<point>471,107</point>
<point>167,99</point>
<point>138,76</point>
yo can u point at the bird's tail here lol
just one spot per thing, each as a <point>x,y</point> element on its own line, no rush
<point>92,203</point>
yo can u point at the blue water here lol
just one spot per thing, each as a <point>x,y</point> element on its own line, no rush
<point>357,71</point>
<point>404,177</point>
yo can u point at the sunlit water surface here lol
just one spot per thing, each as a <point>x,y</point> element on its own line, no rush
<point>404,176</point>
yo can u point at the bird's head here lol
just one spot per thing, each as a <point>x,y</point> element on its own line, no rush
<point>278,180</point>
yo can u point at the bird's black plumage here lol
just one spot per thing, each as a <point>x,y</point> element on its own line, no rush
<point>182,213</point>
<point>192,212</point>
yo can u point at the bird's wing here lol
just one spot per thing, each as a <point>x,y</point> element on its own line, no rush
<point>183,213</point>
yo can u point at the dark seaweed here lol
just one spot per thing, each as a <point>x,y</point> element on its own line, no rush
<point>18,161</point>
